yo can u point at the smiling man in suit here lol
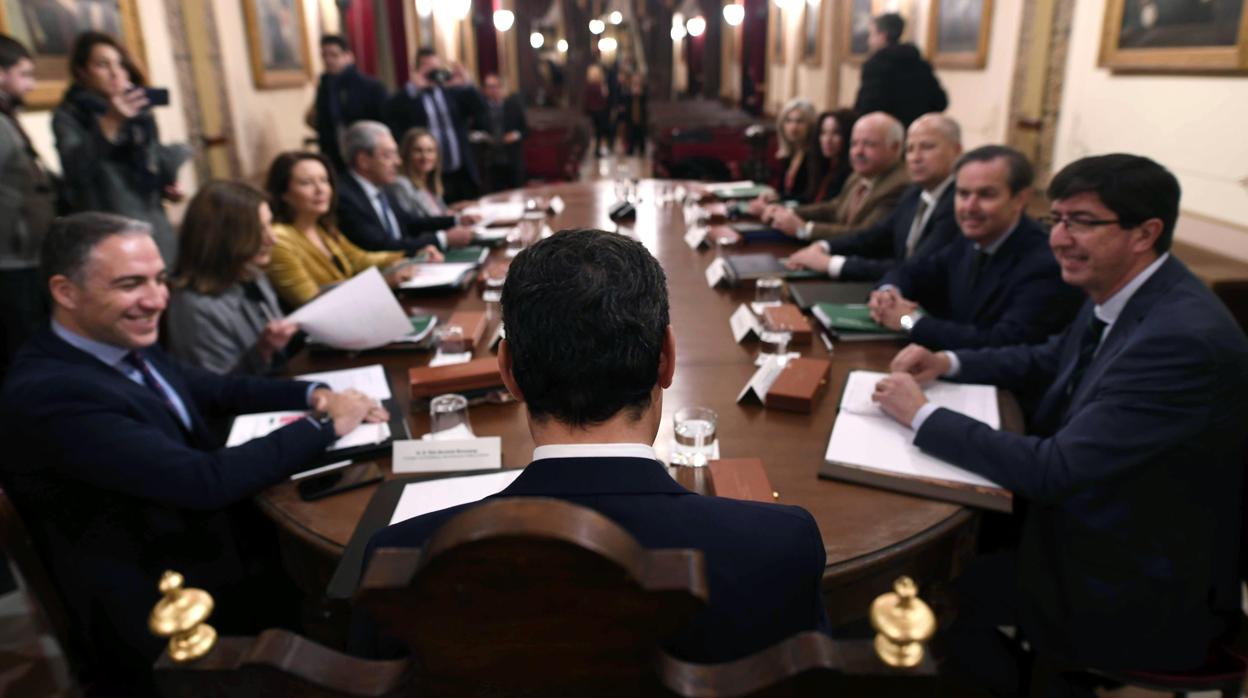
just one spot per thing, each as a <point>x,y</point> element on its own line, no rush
<point>997,284</point>
<point>1131,468</point>
<point>114,467</point>
<point>922,223</point>
<point>590,357</point>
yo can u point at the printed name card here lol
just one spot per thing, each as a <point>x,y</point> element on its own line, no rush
<point>716,273</point>
<point>438,455</point>
<point>695,238</point>
<point>762,380</point>
<point>744,323</point>
<point>556,205</point>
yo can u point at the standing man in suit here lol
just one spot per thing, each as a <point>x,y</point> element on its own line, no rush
<point>870,193</point>
<point>343,97</point>
<point>112,462</point>
<point>500,130</point>
<point>590,357</point>
<point>997,283</point>
<point>27,207</point>
<point>922,223</point>
<point>1132,463</point>
<point>368,214</point>
<point>432,102</point>
<point>895,78</point>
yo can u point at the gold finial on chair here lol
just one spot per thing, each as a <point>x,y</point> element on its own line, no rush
<point>180,616</point>
<point>903,622</point>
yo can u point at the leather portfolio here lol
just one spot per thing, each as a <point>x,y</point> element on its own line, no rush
<point>788,318</point>
<point>741,478</point>
<point>427,381</point>
<point>798,386</point>
<point>474,323</point>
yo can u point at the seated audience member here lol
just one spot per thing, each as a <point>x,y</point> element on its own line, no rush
<point>997,283</point>
<point>368,214</point>
<point>1133,459</point>
<point>922,223</point>
<point>869,195</point>
<point>223,315</point>
<point>590,357</point>
<point>500,129</point>
<point>344,96</point>
<point>113,466</point>
<point>109,146</point>
<point>310,253</point>
<point>418,188</point>
<point>828,166</point>
<point>793,154</point>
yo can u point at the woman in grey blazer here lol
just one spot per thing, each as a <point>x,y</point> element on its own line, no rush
<point>224,315</point>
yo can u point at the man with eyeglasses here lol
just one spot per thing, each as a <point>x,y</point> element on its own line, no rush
<point>1130,473</point>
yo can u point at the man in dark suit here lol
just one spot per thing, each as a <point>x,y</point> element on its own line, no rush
<point>922,223</point>
<point>590,357</point>
<point>431,101</point>
<point>895,78</point>
<point>113,465</point>
<point>1131,467</point>
<point>499,131</point>
<point>367,212</point>
<point>996,284</point>
<point>343,97</point>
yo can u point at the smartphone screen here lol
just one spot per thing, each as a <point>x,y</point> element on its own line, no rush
<point>339,480</point>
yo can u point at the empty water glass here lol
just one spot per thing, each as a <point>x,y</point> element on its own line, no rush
<point>450,339</point>
<point>695,436</point>
<point>448,415</point>
<point>769,291</point>
<point>773,344</point>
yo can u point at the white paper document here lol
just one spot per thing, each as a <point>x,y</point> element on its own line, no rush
<point>434,275</point>
<point>421,498</point>
<point>253,426</point>
<point>481,233</point>
<point>360,313</point>
<point>496,211</point>
<point>370,380</point>
<point>865,437</point>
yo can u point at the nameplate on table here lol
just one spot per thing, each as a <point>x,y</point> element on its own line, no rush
<point>556,205</point>
<point>695,238</point>
<point>762,379</point>
<point>716,273</point>
<point>447,455</point>
<point>744,323</point>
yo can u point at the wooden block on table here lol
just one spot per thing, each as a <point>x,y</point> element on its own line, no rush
<point>789,318</point>
<point>741,478</point>
<point>474,323</point>
<point>427,381</point>
<point>798,386</point>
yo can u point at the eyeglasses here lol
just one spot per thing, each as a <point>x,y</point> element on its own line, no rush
<point>1077,225</point>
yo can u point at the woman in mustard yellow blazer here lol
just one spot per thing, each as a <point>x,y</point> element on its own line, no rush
<point>310,252</point>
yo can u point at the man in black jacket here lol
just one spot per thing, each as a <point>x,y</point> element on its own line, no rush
<point>499,130</point>
<point>896,79</point>
<point>343,97</point>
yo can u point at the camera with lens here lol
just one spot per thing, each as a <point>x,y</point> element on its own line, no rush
<point>440,76</point>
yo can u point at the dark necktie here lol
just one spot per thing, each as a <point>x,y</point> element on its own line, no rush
<point>386,222</point>
<point>136,360</point>
<point>978,266</point>
<point>1088,343</point>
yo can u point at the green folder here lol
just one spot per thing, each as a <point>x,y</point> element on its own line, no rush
<point>473,254</point>
<point>749,192</point>
<point>852,321</point>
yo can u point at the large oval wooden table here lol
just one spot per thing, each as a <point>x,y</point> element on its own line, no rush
<point>870,535</point>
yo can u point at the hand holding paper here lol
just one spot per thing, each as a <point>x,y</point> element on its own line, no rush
<point>360,313</point>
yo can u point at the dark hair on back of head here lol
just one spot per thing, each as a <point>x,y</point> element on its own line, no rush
<point>221,233</point>
<point>69,241</point>
<point>335,40</point>
<point>1135,188</point>
<point>586,315</point>
<point>891,25</point>
<point>11,51</point>
<point>1021,174</point>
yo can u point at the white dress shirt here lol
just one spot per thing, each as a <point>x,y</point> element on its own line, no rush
<point>615,450</point>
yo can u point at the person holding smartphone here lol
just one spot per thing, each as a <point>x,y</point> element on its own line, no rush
<point>111,155</point>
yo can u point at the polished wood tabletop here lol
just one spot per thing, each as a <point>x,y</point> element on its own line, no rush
<point>869,534</point>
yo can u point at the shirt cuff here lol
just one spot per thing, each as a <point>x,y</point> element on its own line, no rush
<point>955,366</point>
<point>921,416</point>
<point>835,264</point>
<point>441,235</point>
<point>803,232</point>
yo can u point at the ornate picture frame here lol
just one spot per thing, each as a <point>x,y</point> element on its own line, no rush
<point>1146,36</point>
<point>40,26</point>
<point>277,39</point>
<point>812,46</point>
<point>958,33</point>
<point>775,38</point>
<point>856,16</point>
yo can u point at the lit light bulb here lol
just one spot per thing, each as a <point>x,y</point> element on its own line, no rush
<point>562,45</point>
<point>607,44</point>
<point>504,19</point>
<point>536,40</point>
<point>734,15</point>
<point>696,26</point>
<point>678,33</point>
<point>616,17</point>
<point>597,26</point>
<point>424,8</point>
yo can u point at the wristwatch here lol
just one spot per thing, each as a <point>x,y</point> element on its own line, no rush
<point>908,320</point>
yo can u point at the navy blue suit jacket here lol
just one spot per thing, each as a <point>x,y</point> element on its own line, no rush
<point>464,102</point>
<point>342,100</point>
<point>1018,298</point>
<point>872,252</point>
<point>359,221</point>
<point>1131,534</point>
<point>764,562</point>
<point>115,490</point>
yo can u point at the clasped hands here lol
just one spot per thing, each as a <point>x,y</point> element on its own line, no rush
<point>899,395</point>
<point>348,409</point>
<point>782,218</point>
<point>887,305</point>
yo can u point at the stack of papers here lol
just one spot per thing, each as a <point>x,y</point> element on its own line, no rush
<point>438,275</point>
<point>370,380</point>
<point>361,313</point>
<point>421,498</point>
<point>253,426</point>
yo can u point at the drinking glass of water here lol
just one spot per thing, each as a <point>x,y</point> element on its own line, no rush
<point>450,339</point>
<point>695,436</point>
<point>773,344</point>
<point>448,416</point>
<point>769,290</point>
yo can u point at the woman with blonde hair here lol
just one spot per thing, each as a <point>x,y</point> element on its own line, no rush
<point>793,130</point>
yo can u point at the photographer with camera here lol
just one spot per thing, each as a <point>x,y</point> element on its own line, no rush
<point>444,103</point>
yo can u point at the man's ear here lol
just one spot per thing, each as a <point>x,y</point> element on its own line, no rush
<point>667,358</point>
<point>1147,233</point>
<point>504,368</point>
<point>64,291</point>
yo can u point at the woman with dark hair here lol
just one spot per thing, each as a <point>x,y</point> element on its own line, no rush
<point>224,315</point>
<point>310,252</point>
<point>829,154</point>
<point>111,156</point>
